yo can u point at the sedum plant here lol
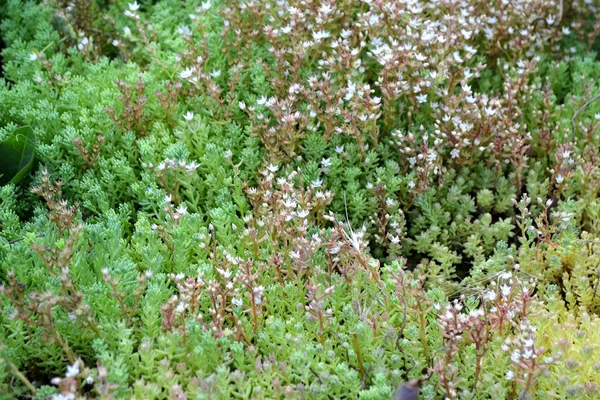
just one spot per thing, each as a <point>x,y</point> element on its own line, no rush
<point>299,199</point>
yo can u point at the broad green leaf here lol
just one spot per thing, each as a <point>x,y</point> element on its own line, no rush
<point>16,155</point>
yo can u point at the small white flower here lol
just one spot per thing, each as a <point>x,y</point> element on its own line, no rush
<point>72,370</point>
<point>320,35</point>
<point>302,214</point>
<point>182,209</point>
<point>339,149</point>
<point>515,356</point>
<point>186,73</point>
<point>560,179</point>
<point>189,116</point>
<point>273,168</point>
<point>206,5</point>
<point>422,98</point>
<point>60,396</point>
<point>134,6</point>
<point>184,30</point>
<point>317,183</point>
<point>127,31</point>
<point>180,307</point>
<point>455,153</point>
<point>457,57</point>
<point>242,105</point>
<point>115,42</point>
<point>191,167</point>
<point>597,117</point>
<point>237,302</point>
<point>566,30</point>
<point>289,203</point>
<point>509,375</point>
<point>33,57</point>
<point>411,184</point>
<point>490,295</point>
<point>215,74</point>
<point>261,100</point>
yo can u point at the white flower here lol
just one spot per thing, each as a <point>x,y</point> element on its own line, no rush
<point>261,100</point>
<point>72,370</point>
<point>320,35</point>
<point>325,9</point>
<point>339,149</point>
<point>127,31</point>
<point>184,30</point>
<point>422,98</point>
<point>186,73</point>
<point>302,214</point>
<point>273,168</point>
<point>566,30</point>
<point>134,6</point>
<point>411,184</point>
<point>515,356</point>
<point>470,50</point>
<point>182,209</point>
<point>509,375</point>
<point>191,167</point>
<point>289,203</point>
<point>180,307</point>
<point>60,396</point>
<point>317,183</point>
<point>215,74</point>
<point>490,295</point>
<point>560,179</point>
<point>206,5</point>
<point>237,302</point>
<point>457,57</point>
<point>242,105</point>
<point>189,116</point>
<point>597,117</point>
<point>455,153</point>
<point>33,57</point>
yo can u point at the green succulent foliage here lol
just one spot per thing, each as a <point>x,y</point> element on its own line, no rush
<point>124,275</point>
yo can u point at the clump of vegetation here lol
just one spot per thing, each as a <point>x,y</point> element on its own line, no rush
<point>299,199</point>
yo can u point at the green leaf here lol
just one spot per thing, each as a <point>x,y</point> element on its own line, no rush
<point>16,155</point>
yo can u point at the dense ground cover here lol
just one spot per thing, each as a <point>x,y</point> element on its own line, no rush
<point>299,199</point>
